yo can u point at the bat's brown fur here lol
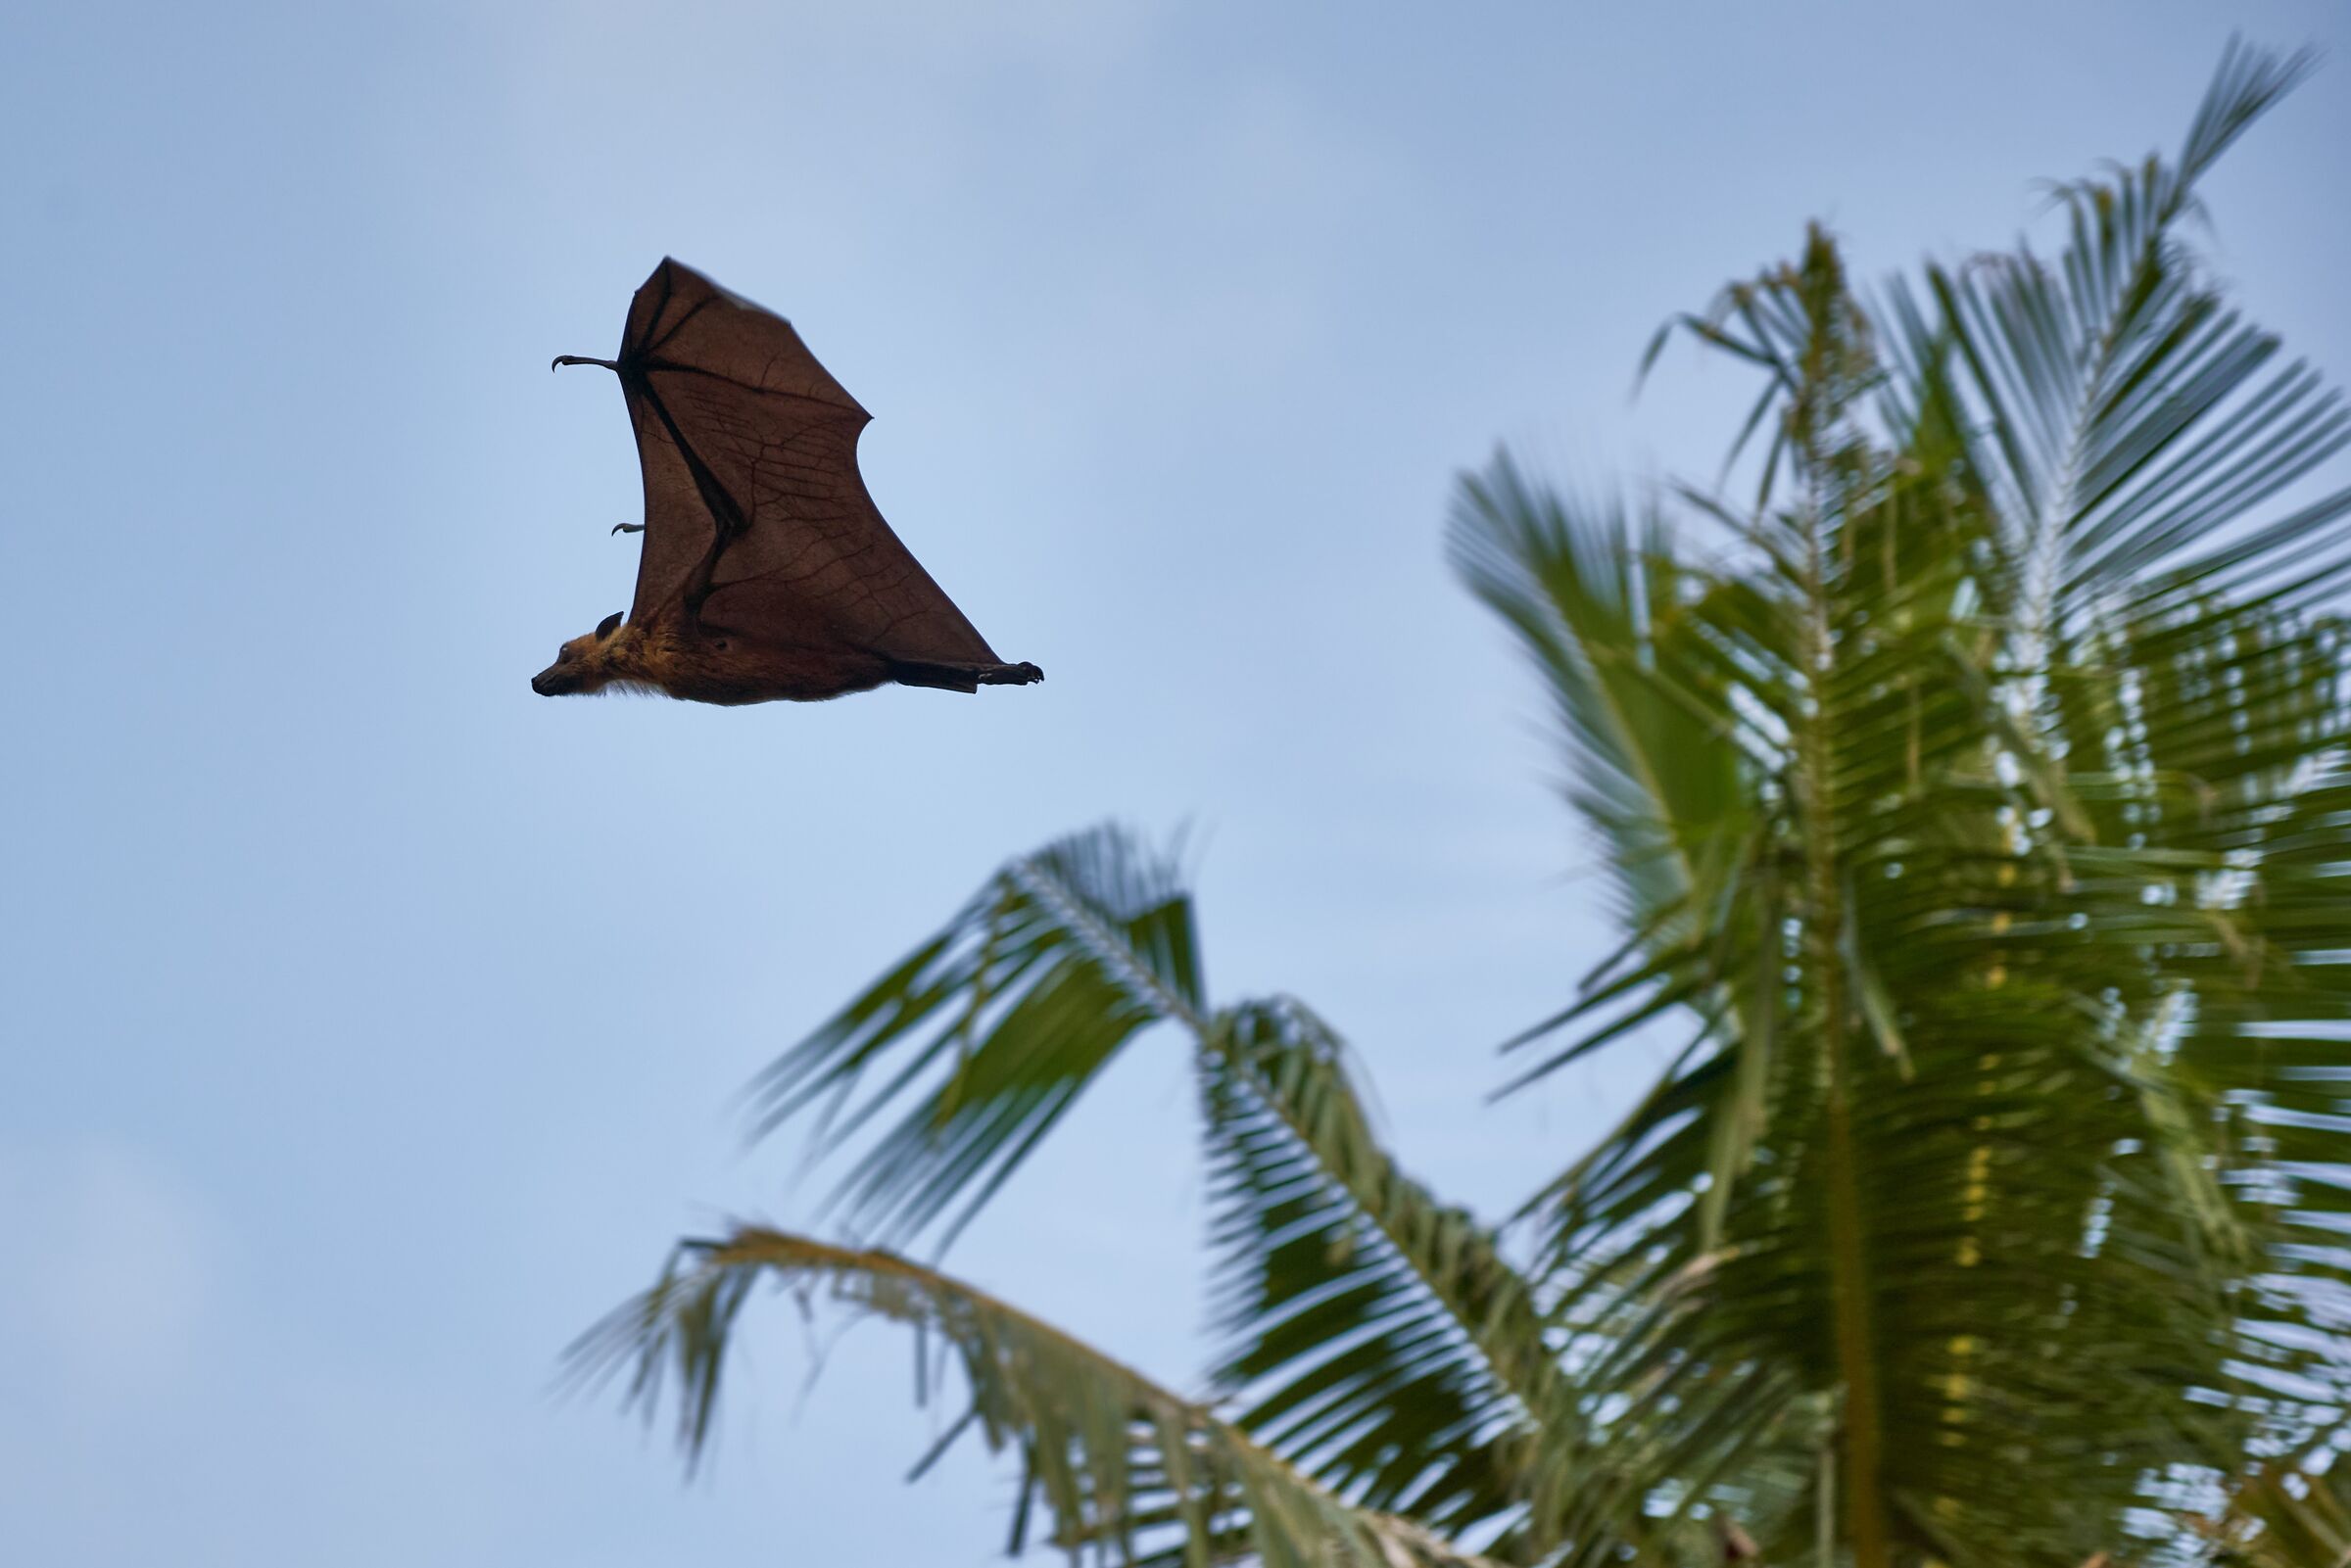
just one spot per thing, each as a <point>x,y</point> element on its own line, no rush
<point>658,656</point>
<point>729,669</point>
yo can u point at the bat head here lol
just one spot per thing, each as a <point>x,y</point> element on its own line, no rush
<point>581,665</point>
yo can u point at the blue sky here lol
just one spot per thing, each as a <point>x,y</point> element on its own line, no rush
<point>371,1024</point>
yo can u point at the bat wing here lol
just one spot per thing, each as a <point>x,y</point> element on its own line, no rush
<point>755,515</point>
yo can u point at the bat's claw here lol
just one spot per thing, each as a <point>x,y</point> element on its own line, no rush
<point>563,360</point>
<point>628,528</point>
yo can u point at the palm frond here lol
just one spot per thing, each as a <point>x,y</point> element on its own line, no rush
<point>1648,662</point>
<point>985,1036</point>
<point>2130,424</point>
<point>1125,1470</point>
<point>1386,1346</point>
<point>1595,598</point>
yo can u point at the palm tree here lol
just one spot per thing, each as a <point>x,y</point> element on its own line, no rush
<point>1972,787</point>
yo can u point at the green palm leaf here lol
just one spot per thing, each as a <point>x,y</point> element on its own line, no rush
<point>988,1031</point>
<point>1387,1347</point>
<point>1124,1468</point>
<point>2129,418</point>
<point>985,1036</point>
<point>1655,751</point>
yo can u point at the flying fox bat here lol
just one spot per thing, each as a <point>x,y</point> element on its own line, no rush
<point>766,573</point>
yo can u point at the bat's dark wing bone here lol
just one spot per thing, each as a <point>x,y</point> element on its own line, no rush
<point>756,520</point>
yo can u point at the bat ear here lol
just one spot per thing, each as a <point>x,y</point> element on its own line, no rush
<point>608,625</point>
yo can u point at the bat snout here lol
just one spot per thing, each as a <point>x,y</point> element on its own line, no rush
<point>554,681</point>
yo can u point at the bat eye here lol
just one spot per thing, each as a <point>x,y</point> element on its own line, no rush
<point>608,625</point>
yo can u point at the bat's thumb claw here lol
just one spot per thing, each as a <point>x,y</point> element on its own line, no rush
<point>628,528</point>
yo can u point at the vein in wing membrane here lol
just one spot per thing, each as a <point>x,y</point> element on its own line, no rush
<point>815,562</point>
<point>740,432</point>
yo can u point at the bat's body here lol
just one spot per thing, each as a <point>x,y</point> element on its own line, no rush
<point>767,574</point>
<point>657,655</point>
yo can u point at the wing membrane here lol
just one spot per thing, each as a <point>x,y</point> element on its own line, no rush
<point>749,452</point>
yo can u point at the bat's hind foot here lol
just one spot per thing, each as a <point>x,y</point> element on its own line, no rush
<point>965,676</point>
